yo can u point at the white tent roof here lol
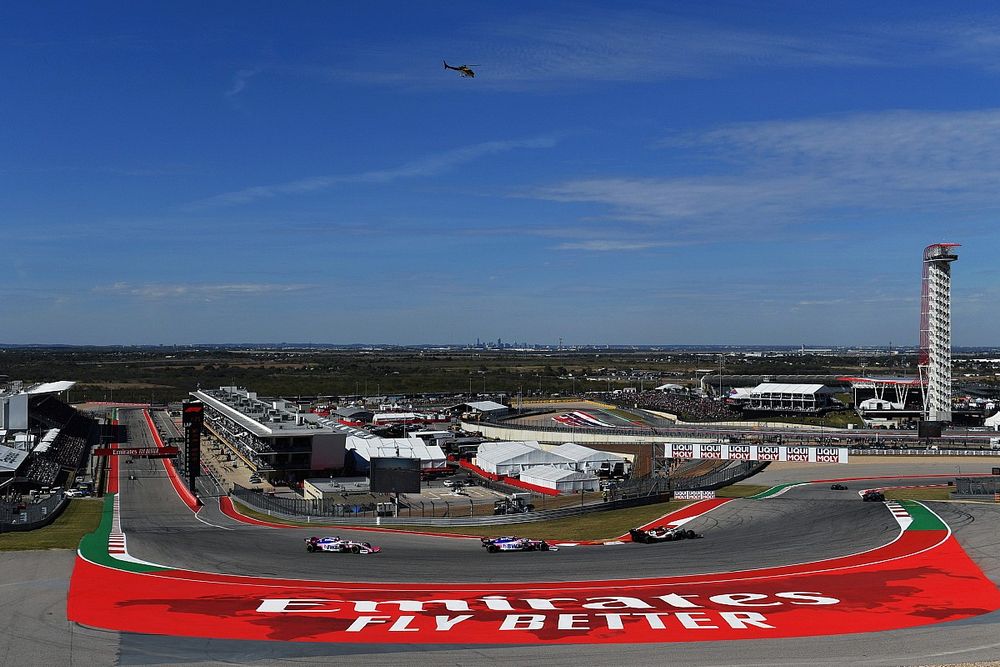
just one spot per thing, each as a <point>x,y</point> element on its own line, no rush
<point>581,454</point>
<point>782,388</point>
<point>409,448</point>
<point>552,474</point>
<point>497,453</point>
<point>670,387</point>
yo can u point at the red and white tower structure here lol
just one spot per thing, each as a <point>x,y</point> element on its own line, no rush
<point>934,361</point>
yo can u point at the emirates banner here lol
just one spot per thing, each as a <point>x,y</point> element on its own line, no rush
<point>687,450</point>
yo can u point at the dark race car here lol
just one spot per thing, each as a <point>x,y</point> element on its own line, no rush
<point>510,543</point>
<point>873,496</point>
<point>338,545</point>
<point>661,534</point>
<point>838,487</point>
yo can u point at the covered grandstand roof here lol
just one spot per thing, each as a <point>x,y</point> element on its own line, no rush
<point>47,440</point>
<point>50,387</point>
<point>484,406</point>
<point>783,388</point>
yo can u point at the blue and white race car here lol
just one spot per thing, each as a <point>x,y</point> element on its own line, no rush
<point>511,543</point>
<point>338,545</point>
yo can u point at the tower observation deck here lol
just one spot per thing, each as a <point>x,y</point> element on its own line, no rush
<point>934,362</point>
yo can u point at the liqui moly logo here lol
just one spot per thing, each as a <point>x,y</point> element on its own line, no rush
<point>828,455</point>
<point>768,453</point>
<point>683,451</point>
<point>740,452</point>
<point>711,451</point>
<point>797,454</point>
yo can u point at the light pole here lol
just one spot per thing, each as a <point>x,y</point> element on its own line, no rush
<point>720,377</point>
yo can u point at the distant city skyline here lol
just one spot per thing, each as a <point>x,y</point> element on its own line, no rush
<point>646,174</point>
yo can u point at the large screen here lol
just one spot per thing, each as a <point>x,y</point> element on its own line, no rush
<point>395,475</point>
<point>929,429</point>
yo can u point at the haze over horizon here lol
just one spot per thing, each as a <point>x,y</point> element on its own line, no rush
<point>656,174</point>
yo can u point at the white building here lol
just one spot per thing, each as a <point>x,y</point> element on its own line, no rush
<point>782,397</point>
<point>362,450</point>
<point>511,458</point>
<point>560,479</point>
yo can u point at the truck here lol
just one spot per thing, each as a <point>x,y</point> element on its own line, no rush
<point>516,503</point>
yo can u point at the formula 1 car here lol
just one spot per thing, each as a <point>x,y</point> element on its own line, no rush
<point>338,545</point>
<point>873,496</point>
<point>661,534</point>
<point>511,543</point>
<point>838,487</point>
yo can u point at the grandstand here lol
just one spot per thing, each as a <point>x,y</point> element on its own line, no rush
<point>785,398</point>
<point>57,439</point>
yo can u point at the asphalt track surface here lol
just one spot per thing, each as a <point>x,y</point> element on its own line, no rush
<point>804,524</point>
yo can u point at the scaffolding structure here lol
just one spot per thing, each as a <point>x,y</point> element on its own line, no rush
<point>934,362</point>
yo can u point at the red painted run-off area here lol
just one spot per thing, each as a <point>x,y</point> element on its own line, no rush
<point>866,593</point>
<point>183,492</point>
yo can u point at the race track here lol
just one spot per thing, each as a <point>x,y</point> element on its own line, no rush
<point>803,525</point>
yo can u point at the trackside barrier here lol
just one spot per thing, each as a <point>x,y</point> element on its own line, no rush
<point>731,474</point>
<point>34,515</point>
<point>273,507</point>
<point>924,452</point>
<point>862,441</point>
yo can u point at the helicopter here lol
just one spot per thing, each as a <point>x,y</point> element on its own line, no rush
<point>464,70</point>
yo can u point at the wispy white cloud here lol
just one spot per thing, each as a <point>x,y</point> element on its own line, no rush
<point>899,165</point>
<point>431,165</point>
<point>241,79</point>
<point>199,292</point>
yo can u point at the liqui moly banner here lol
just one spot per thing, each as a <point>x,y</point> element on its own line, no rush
<point>799,453</point>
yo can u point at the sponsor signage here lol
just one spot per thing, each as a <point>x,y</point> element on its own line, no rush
<point>862,593</point>
<point>694,495</point>
<point>155,452</point>
<point>798,453</point>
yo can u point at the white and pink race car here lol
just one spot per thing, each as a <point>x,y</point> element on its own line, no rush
<point>511,543</point>
<point>338,545</point>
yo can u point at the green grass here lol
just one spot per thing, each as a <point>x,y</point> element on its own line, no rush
<point>740,490</point>
<point>918,494</point>
<point>81,517</point>
<point>596,526</point>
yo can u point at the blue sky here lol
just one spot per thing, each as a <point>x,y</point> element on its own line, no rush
<point>646,173</point>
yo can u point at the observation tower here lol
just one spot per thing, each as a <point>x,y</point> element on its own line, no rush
<point>934,361</point>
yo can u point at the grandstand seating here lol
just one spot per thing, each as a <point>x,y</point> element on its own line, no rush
<point>68,452</point>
